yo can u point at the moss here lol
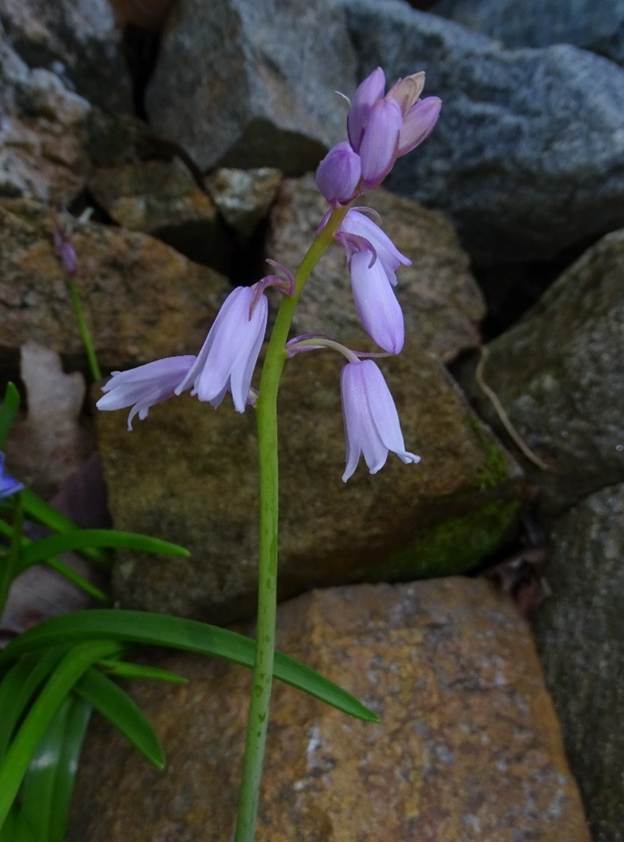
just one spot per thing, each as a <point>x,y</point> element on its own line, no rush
<point>455,545</point>
<point>495,468</point>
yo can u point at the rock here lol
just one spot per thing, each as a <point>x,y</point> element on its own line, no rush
<point>244,196</point>
<point>441,301</point>
<point>163,199</point>
<point>42,132</point>
<point>189,474</point>
<point>557,374</point>
<point>524,158</point>
<point>137,13</point>
<point>143,299</point>
<point>254,88</point>
<point>581,638</point>
<point>468,748</point>
<point>76,39</point>
<point>598,27</point>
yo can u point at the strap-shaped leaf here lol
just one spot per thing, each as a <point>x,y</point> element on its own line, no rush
<point>8,410</point>
<point>126,669</point>
<point>178,633</point>
<point>36,507</point>
<point>78,539</point>
<point>16,828</point>
<point>119,708</point>
<point>71,668</point>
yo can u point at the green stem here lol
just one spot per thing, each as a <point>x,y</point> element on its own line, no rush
<point>85,333</point>
<point>10,566</point>
<point>268,468</point>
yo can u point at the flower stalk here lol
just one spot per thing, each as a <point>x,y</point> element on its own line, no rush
<point>268,470</point>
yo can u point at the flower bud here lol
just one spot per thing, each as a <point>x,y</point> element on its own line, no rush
<point>338,174</point>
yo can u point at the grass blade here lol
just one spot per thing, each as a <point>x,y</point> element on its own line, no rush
<point>75,730</point>
<point>37,508</point>
<point>125,669</point>
<point>79,539</point>
<point>119,708</point>
<point>8,410</point>
<point>37,721</point>
<point>16,828</point>
<point>177,633</point>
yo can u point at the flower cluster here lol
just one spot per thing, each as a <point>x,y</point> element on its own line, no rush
<point>381,128</point>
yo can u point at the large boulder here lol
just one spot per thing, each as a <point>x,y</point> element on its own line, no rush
<point>581,638</point>
<point>528,155</point>
<point>189,473</point>
<point>42,132</point>
<point>557,374</point>
<point>598,27</point>
<point>441,300</point>
<point>76,39</point>
<point>468,748</point>
<point>239,83</point>
<point>143,299</point>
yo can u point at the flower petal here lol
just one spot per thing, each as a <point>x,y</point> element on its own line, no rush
<point>339,173</point>
<point>376,304</point>
<point>358,224</point>
<point>419,123</point>
<point>405,92</point>
<point>379,145</point>
<point>384,413</point>
<point>367,94</point>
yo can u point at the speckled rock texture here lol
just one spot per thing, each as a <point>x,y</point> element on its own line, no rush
<point>244,196</point>
<point>78,40</point>
<point>581,640</point>
<point>558,376</point>
<point>511,160</point>
<point>255,85</point>
<point>143,299</point>
<point>441,300</point>
<point>189,474</point>
<point>598,27</point>
<point>42,132</point>
<point>468,748</point>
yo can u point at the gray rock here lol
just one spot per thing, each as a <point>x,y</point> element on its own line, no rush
<point>42,132</point>
<point>244,196</point>
<point>581,638</point>
<point>557,374</point>
<point>468,748</point>
<point>189,474</point>
<point>240,83</point>
<point>441,300</point>
<point>528,155</point>
<point>598,27</point>
<point>77,40</point>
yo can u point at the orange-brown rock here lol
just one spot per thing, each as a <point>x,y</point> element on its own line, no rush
<point>468,748</point>
<point>143,299</point>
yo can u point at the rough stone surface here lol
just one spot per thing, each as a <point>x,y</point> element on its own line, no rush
<point>468,748</point>
<point>143,299</point>
<point>441,301</point>
<point>163,199</point>
<point>75,39</point>
<point>255,85</point>
<point>523,174</point>
<point>244,196</point>
<point>42,132</point>
<point>558,376</point>
<point>581,637</point>
<point>598,27</point>
<point>189,473</point>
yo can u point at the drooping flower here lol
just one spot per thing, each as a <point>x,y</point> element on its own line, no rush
<point>144,386</point>
<point>358,225</point>
<point>8,485</point>
<point>339,173</point>
<point>372,426</point>
<point>229,354</point>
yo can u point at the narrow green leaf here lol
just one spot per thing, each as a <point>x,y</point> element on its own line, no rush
<point>125,669</point>
<point>16,828</point>
<point>37,508</point>
<point>78,539</point>
<point>19,685</point>
<point>120,709</point>
<point>177,633</point>
<point>8,410</point>
<point>75,730</point>
<point>15,762</point>
<point>37,792</point>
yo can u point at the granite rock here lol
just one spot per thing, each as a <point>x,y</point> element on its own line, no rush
<point>189,474</point>
<point>557,375</point>
<point>254,87</point>
<point>244,197</point>
<point>468,748</point>
<point>143,299</point>
<point>528,154</point>
<point>441,300</point>
<point>598,27</point>
<point>581,638</point>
